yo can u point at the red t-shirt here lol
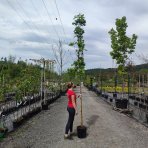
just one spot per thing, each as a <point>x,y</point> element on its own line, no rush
<point>69,96</point>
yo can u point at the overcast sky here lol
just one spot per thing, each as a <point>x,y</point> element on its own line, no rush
<point>29,28</point>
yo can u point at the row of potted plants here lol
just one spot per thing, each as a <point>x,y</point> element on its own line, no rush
<point>19,104</point>
<point>142,99</point>
<point>139,101</point>
<point>141,105</point>
<point>100,93</point>
<point>119,102</point>
<point>17,122</point>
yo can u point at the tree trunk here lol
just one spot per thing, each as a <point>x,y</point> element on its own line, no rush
<point>122,86</point>
<point>81,105</point>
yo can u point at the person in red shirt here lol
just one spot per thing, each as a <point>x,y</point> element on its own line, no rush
<point>71,108</point>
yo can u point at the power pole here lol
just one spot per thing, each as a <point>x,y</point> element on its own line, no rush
<point>43,79</point>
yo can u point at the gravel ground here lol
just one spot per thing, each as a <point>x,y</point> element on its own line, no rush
<point>106,128</point>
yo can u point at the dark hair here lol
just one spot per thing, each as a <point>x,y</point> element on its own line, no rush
<point>69,85</point>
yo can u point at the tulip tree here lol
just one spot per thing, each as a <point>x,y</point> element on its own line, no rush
<point>121,44</point>
<point>79,64</point>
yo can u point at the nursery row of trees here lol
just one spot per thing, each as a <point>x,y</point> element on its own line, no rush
<point>108,75</point>
<point>21,77</point>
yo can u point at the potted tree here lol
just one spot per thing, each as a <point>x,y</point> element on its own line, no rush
<point>122,47</point>
<point>18,119</point>
<point>79,65</point>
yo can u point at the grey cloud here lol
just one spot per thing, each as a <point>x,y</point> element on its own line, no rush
<point>98,35</point>
<point>29,51</point>
<point>32,37</point>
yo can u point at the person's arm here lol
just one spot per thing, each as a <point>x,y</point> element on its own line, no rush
<point>74,103</point>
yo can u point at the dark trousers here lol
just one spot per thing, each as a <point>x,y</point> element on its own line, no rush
<point>69,125</point>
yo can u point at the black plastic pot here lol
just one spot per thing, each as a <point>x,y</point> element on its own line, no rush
<point>18,122</point>
<point>136,103</point>
<point>45,106</point>
<point>134,97</point>
<point>140,105</point>
<point>137,98</point>
<point>26,116</point>
<point>111,100</point>
<point>142,100</point>
<point>146,101</point>
<point>33,112</point>
<point>30,114</point>
<point>38,109</point>
<point>144,106</point>
<point>106,96</point>
<point>5,112</point>
<point>99,93</point>
<point>81,131</point>
<point>114,95</point>
<point>9,110</point>
<point>121,103</point>
<point>102,95</point>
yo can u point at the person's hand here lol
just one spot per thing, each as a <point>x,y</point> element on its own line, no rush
<point>76,112</point>
<point>80,96</point>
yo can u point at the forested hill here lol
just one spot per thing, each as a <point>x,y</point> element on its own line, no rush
<point>137,68</point>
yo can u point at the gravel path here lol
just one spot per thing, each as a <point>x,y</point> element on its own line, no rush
<point>106,128</point>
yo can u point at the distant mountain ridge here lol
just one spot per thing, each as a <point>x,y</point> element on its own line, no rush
<point>136,68</point>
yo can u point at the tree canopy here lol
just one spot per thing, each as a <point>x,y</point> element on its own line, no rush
<point>121,44</point>
<point>79,64</point>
